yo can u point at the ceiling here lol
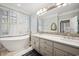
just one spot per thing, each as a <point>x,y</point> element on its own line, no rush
<point>32,8</point>
<point>29,8</point>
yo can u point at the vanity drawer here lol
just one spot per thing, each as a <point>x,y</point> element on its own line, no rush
<point>49,43</point>
<point>67,48</point>
<point>36,39</point>
<point>49,48</point>
<point>46,52</point>
<point>42,44</point>
<point>33,37</point>
<point>46,48</point>
<point>58,52</point>
<point>46,42</point>
<point>42,41</point>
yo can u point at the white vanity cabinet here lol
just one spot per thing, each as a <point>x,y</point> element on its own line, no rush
<point>35,43</point>
<point>46,47</point>
<point>65,50</point>
<point>32,42</point>
<point>42,46</point>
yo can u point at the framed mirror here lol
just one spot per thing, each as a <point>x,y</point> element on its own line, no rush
<point>62,22</point>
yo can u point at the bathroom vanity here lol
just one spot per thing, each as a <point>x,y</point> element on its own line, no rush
<point>55,45</point>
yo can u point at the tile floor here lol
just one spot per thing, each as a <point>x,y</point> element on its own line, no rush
<point>32,53</point>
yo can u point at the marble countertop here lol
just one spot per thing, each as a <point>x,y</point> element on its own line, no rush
<point>74,42</point>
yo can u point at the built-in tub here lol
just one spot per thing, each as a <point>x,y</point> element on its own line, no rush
<point>14,43</point>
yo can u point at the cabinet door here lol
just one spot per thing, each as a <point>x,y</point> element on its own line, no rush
<point>58,52</point>
<point>49,48</point>
<point>69,49</point>
<point>46,47</point>
<point>32,42</point>
<point>37,44</point>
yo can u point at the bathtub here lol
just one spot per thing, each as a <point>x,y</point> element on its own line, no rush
<point>15,43</point>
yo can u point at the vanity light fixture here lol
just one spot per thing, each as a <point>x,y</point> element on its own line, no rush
<point>44,10</point>
<point>41,11</point>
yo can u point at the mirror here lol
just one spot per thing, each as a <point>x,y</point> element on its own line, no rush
<point>46,24</point>
<point>64,21</point>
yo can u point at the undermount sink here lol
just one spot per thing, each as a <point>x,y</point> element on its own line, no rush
<point>70,39</point>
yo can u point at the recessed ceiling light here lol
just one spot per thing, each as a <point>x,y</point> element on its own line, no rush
<point>18,5</point>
